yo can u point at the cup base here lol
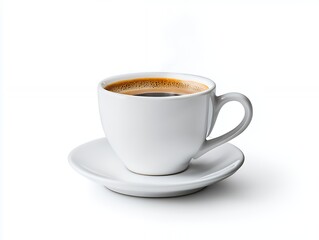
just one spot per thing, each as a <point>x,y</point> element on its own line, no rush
<point>160,174</point>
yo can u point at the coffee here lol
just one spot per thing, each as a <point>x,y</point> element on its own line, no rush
<point>156,87</point>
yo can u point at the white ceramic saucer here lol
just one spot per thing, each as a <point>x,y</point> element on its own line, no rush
<point>97,161</point>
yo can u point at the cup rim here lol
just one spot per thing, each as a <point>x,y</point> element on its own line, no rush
<point>182,76</point>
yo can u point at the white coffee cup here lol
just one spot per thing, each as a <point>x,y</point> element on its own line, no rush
<point>161,135</point>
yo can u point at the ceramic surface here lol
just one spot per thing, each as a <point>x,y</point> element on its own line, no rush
<point>97,161</point>
<point>160,135</point>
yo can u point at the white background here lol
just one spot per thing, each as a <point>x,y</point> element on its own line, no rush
<point>55,52</point>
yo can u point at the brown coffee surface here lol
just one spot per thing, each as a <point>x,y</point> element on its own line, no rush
<point>140,86</point>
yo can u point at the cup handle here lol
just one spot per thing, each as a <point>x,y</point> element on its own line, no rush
<point>217,105</point>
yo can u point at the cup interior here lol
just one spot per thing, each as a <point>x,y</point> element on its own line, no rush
<point>180,76</point>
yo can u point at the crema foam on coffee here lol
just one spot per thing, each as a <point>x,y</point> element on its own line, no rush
<point>156,87</point>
